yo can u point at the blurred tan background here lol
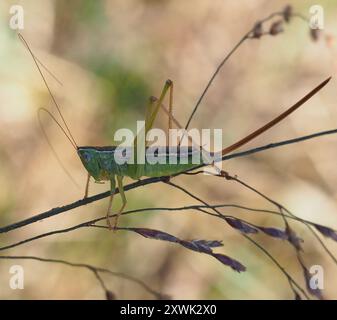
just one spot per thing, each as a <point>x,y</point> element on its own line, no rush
<point>110,56</point>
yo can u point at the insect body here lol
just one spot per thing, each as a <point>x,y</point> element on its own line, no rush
<point>101,164</point>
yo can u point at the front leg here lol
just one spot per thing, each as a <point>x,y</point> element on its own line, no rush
<point>112,193</point>
<point>87,187</point>
<point>121,192</point>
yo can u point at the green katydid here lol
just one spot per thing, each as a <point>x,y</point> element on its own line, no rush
<point>100,161</point>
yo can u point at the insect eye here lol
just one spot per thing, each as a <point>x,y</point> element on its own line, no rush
<point>86,156</point>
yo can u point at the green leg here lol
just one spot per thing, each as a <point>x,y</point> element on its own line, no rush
<point>148,112</point>
<point>121,192</point>
<point>153,108</point>
<point>169,112</point>
<point>87,187</point>
<point>152,116</point>
<point>112,193</point>
<point>150,108</point>
<point>170,108</point>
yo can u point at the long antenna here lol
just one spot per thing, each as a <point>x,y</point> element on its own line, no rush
<point>47,86</point>
<point>44,67</point>
<point>50,144</point>
<point>59,125</point>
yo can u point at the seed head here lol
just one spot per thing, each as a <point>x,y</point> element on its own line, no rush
<point>315,34</point>
<point>287,13</point>
<point>109,295</point>
<point>257,30</point>
<point>276,28</point>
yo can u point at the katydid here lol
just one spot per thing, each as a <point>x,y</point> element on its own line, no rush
<point>100,163</point>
